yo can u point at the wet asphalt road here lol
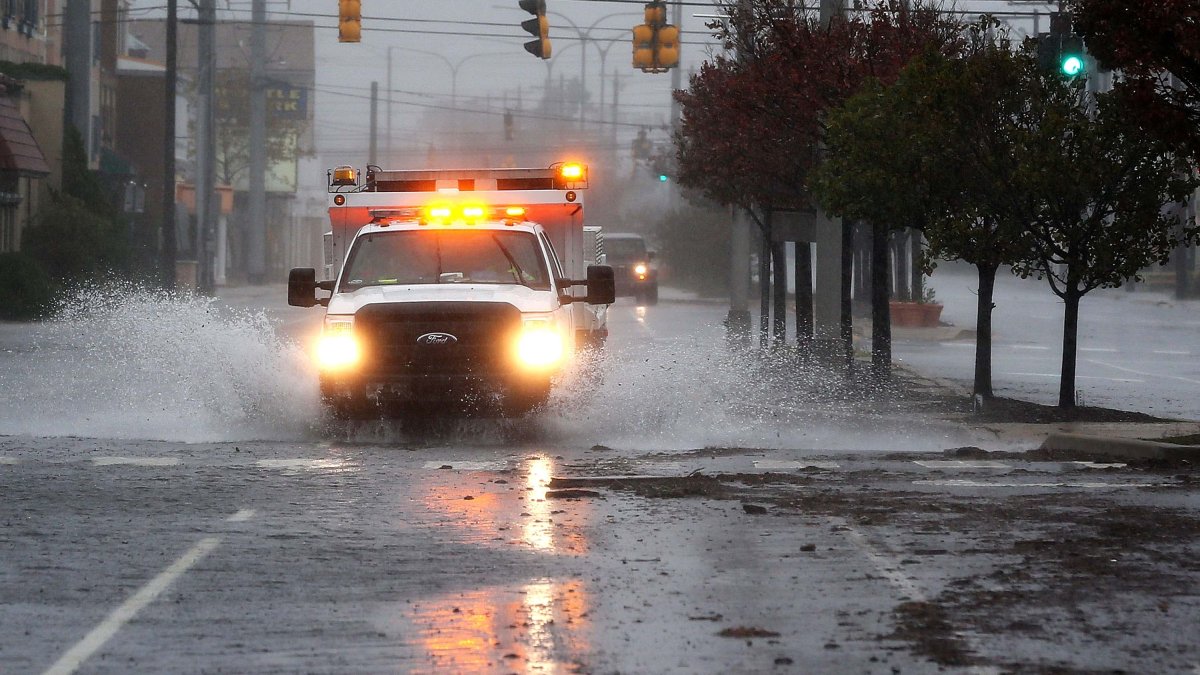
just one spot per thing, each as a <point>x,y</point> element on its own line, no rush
<point>373,549</point>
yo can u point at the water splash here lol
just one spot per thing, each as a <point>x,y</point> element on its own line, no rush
<point>125,362</point>
<point>687,394</point>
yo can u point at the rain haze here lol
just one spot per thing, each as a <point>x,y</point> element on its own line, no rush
<point>507,392</point>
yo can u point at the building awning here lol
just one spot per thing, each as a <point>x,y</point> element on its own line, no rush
<point>19,152</point>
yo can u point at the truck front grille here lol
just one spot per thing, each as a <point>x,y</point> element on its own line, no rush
<point>480,342</point>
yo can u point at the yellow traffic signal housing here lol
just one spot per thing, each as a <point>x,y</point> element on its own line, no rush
<point>349,20</point>
<point>656,14</point>
<point>666,47</point>
<point>538,26</point>
<point>643,47</point>
<point>655,49</point>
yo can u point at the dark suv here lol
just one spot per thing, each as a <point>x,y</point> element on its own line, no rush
<point>631,263</point>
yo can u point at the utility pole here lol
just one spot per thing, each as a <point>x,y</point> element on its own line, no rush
<point>387,125</point>
<point>373,151</point>
<point>256,226</point>
<point>206,167</point>
<point>167,252</point>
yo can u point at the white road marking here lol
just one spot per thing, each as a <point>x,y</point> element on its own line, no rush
<point>1077,377</point>
<point>135,461</point>
<point>960,464</point>
<point>241,516</point>
<point>888,566</point>
<point>1139,372</point>
<point>976,483</point>
<point>891,569</point>
<point>1099,465</point>
<point>495,465</point>
<point>969,345</point>
<point>1035,348</point>
<point>771,464</point>
<point>101,634</point>
<point>301,463</point>
<point>1108,350</point>
<point>1170,352</point>
<point>9,460</point>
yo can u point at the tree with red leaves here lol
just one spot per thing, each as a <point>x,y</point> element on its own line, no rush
<point>1156,46</point>
<point>751,125</point>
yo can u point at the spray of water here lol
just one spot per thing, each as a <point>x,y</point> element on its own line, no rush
<point>686,394</point>
<point>124,362</point>
<point>128,363</point>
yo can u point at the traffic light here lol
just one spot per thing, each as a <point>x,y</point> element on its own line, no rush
<point>1071,56</point>
<point>655,43</point>
<point>349,20</point>
<point>1061,51</point>
<point>538,26</point>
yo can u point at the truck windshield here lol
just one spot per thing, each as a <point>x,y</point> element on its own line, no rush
<point>625,248</point>
<point>435,256</point>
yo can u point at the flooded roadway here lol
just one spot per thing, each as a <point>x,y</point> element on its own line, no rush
<point>660,519</point>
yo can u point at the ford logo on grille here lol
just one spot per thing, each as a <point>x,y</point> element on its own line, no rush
<point>436,339</point>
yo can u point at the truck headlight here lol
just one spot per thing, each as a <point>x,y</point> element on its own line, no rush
<point>338,349</point>
<point>640,270</point>
<point>540,344</point>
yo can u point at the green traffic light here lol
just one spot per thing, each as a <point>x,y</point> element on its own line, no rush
<point>1072,66</point>
<point>662,177</point>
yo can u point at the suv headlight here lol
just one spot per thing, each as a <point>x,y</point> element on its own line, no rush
<point>338,348</point>
<point>540,345</point>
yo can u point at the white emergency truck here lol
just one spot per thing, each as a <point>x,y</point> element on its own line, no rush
<point>453,286</point>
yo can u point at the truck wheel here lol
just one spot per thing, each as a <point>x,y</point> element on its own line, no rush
<point>652,295</point>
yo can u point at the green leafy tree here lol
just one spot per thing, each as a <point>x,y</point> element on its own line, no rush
<point>1103,179</point>
<point>941,150</point>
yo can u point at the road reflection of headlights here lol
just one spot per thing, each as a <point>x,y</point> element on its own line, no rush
<point>540,345</point>
<point>337,348</point>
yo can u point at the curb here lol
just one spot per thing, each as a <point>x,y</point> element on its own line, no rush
<point>1121,448</point>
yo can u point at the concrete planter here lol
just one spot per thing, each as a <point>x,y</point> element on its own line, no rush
<point>915,314</point>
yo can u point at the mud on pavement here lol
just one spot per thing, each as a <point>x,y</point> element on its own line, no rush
<point>1073,573</point>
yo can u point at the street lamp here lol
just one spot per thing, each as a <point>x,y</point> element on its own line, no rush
<point>584,35</point>
<point>453,65</point>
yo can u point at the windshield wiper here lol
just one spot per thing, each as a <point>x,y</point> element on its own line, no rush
<point>516,270</point>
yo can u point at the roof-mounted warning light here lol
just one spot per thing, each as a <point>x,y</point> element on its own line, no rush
<point>570,176</point>
<point>514,215</point>
<point>343,176</point>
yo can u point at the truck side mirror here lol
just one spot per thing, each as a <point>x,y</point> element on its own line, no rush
<point>651,255</point>
<point>302,287</point>
<point>601,285</point>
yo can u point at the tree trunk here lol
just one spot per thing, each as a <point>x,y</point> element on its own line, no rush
<point>881,320</point>
<point>779,268</point>
<point>804,294</point>
<point>918,277</point>
<point>1066,386</point>
<point>983,331</point>
<point>846,318</point>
